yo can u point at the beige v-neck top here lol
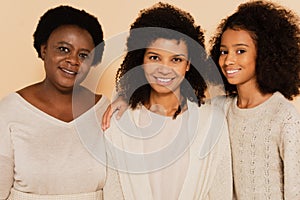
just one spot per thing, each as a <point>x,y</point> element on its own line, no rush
<point>42,155</point>
<point>161,158</point>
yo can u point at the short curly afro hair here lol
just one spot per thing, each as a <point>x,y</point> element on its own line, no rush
<point>162,20</point>
<point>67,15</point>
<point>276,34</point>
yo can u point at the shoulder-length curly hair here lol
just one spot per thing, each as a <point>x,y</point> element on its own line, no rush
<point>275,32</point>
<point>161,21</point>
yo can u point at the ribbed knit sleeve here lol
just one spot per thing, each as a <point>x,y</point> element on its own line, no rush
<point>290,153</point>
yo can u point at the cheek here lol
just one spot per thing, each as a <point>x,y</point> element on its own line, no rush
<point>84,68</point>
<point>221,64</point>
<point>49,62</point>
<point>181,71</point>
<point>146,72</point>
<point>83,72</point>
<point>252,62</point>
<point>148,68</point>
<point>87,63</point>
<point>221,61</point>
<point>249,63</point>
<point>53,59</point>
<point>253,67</point>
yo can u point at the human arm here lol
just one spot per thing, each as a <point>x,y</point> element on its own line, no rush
<point>6,162</point>
<point>222,187</point>
<point>290,153</point>
<point>119,105</point>
<point>112,189</point>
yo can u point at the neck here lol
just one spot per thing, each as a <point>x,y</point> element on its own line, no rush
<point>251,97</point>
<point>51,93</point>
<point>164,104</point>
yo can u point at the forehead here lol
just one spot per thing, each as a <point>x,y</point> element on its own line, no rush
<point>73,34</point>
<point>239,36</point>
<point>169,45</point>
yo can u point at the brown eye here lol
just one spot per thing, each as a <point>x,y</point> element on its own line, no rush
<point>64,49</point>
<point>223,52</point>
<point>83,56</point>
<point>155,58</point>
<point>177,60</point>
<point>241,51</point>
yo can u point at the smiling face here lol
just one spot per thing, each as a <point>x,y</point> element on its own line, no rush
<point>238,57</point>
<point>67,56</point>
<point>165,65</point>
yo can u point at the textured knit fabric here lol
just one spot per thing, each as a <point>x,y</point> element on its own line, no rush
<point>265,142</point>
<point>42,155</point>
<point>160,158</point>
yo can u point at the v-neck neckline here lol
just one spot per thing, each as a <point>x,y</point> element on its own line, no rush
<point>47,116</point>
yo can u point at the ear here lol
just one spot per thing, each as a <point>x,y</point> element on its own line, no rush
<point>188,66</point>
<point>43,50</point>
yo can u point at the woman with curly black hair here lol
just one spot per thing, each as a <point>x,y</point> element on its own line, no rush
<point>258,53</point>
<point>169,144</point>
<point>41,154</point>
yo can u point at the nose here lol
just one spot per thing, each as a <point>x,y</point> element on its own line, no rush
<point>164,68</point>
<point>230,59</point>
<point>73,59</point>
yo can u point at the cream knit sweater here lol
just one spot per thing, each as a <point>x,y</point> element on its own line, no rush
<point>265,143</point>
<point>41,155</point>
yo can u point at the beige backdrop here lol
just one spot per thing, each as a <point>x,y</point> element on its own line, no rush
<point>18,18</point>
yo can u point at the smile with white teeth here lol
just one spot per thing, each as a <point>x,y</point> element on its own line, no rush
<point>164,80</point>
<point>232,71</point>
<point>68,71</point>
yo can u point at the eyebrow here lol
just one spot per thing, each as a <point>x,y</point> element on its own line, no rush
<point>236,45</point>
<point>151,52</point>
